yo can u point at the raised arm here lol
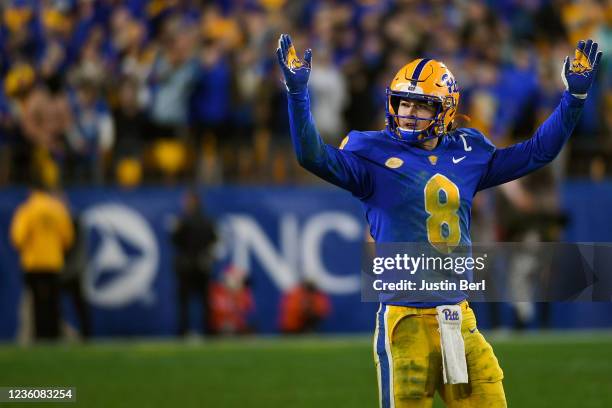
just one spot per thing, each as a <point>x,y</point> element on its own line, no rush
<point>523,158</point>
<point>341,168</point>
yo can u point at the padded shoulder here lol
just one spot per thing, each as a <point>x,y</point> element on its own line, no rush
<point>360,142</point>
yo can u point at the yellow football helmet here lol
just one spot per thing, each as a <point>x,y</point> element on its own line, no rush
<point>424,80</point>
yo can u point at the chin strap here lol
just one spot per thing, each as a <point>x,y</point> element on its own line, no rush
<point>414,131</point>
<point>410,130</point>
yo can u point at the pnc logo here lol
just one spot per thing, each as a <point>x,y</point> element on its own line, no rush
<point>123,256</point>
<point>299,252</point>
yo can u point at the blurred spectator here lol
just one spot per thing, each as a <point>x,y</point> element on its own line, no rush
<point>129,38</point>
<point>130,124</point>
<point>303,308</point>
<point>329,97</point>
<point>211,95</point>
<point>172,78</point>
<point>529,211</point>
<point>42,120</point>
<point>73,275</point>
<point>39,120</point>
<point>193,239</point>
<point>360,74</point>
<point>18,82</point>
<point>92,133</point>
<point>42,232</point>
<point>210,104</point>
<point>231,303</point>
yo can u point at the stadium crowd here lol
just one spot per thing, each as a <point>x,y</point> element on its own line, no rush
<point>104,91</point>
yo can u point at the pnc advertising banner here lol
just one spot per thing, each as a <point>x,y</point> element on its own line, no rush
<point>280,237</point>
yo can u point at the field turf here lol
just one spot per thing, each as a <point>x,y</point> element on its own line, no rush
<point>542,370</point>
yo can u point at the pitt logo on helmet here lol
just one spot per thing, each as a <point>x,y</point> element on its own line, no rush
<point>426,81</point>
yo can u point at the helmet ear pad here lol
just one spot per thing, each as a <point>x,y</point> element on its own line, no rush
<point>449,110</point>
<point>448,126</point>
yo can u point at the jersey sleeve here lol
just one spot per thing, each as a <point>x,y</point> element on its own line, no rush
<point>523,158</point>
<point>340,167</point>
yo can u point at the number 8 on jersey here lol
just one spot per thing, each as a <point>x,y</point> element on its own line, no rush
<point>442,201</point>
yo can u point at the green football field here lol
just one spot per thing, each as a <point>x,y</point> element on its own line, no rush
<point>542,370</point>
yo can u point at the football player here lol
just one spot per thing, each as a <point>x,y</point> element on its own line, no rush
<point>399,173</point>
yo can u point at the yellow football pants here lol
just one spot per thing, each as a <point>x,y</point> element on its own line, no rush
<point>409,362</point>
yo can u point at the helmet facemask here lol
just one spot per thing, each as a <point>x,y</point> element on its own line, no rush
<point>411,133</point>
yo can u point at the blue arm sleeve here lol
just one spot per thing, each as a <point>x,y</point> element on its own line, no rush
<point>522,158</point>
<point>342,168</point>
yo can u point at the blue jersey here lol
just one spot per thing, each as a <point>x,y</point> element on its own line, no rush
<point>410,194</point>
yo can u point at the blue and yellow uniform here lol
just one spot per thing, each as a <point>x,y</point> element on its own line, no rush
<point>411,194</point>
<point>401,187</point>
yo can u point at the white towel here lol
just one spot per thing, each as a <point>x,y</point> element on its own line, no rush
<point>454,366</point>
